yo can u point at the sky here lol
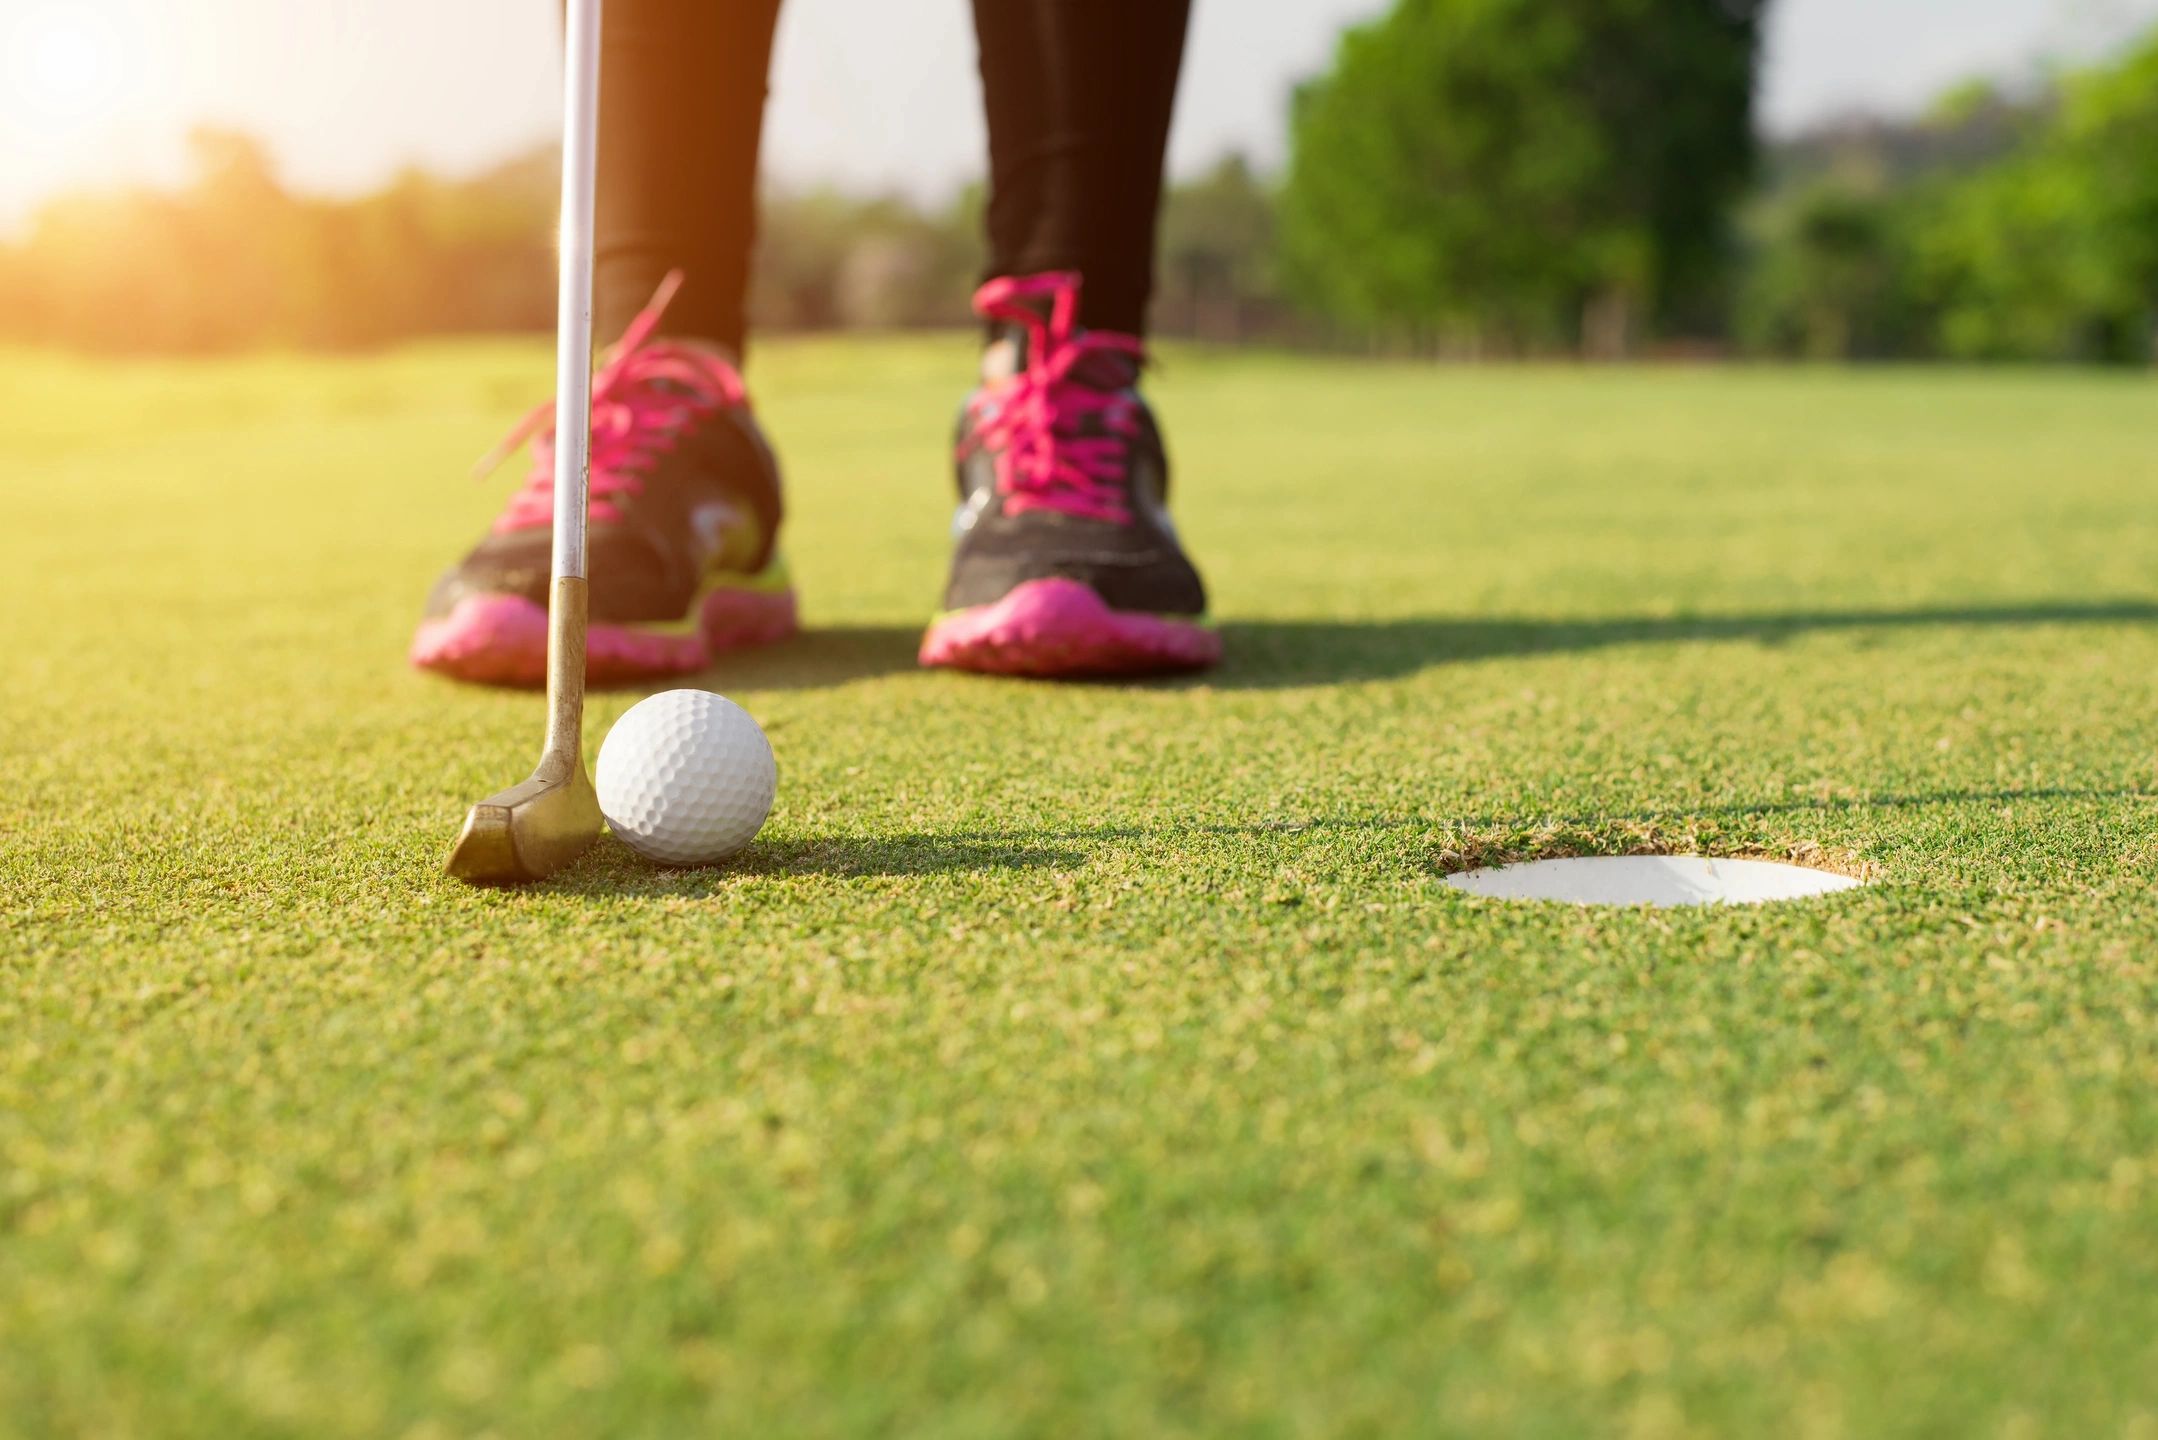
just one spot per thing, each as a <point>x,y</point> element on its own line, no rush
<point>872,94</point>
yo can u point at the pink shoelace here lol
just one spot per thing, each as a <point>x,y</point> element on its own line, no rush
<point>643,397</point>
<point>1036,420</point>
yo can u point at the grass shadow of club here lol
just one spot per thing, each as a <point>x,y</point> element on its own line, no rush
<point>1616,819</point>
<point>612,868</point>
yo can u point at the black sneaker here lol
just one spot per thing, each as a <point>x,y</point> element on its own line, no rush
<point>684,513</point>
<point>1066,563</point>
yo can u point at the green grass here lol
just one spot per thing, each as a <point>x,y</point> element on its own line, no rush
<point>1103,1061</point>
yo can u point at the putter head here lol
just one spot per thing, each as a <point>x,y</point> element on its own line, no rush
<point>531,830</point>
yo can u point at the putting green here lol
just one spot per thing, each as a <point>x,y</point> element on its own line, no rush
<point>1103,1061</point>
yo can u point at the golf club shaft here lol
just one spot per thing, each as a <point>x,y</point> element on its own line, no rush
<point>573,378</point>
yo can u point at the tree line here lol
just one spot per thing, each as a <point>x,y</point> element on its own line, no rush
<point>1997,228</point>
<point>1535,176</point>
<point>1468,178</point>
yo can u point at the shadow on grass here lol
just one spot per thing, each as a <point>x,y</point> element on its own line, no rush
<point>816,659</point>
<point>612,868</point>
<point>1268,654</point>
<point>1265,654</point>
<point>1660,816</point>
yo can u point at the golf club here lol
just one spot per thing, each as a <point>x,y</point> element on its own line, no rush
<point>529,831</point>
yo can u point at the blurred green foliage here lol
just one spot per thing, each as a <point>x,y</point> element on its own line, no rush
<point>1523,174</point>
<point>1219,279</point>
<point>1993,229</point>
<point>2054,253</point>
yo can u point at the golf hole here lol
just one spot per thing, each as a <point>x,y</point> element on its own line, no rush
<point>1659,880</point>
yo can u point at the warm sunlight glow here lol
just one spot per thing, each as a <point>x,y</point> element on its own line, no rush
<point>65,66</point>
<point>76,93</point>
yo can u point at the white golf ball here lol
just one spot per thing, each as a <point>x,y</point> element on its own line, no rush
<point>685,777</point>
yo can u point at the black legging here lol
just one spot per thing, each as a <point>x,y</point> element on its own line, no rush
<point>1078,93</point>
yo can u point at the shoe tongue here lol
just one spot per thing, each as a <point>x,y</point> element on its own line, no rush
<point>1097,370</point>
<point>1107,370</point>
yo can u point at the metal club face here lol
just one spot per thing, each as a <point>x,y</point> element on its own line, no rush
<point>529,831</point>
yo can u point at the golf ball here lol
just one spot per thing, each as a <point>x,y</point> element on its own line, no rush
<point>685,777</point>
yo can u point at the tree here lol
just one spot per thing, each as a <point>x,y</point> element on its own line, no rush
<point>1522,170</point>
<point>2053,253</point>
<point>1830,274</point>
<point>827,260</point>
<point>1217,251</point>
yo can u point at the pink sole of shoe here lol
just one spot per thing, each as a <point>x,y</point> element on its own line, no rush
<point>502,640</point>
<point>1050,628</point>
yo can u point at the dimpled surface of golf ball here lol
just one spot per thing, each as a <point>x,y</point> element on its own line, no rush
<point>685,777</point>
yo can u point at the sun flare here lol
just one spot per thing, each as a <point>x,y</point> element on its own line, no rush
<point>65,67</point>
